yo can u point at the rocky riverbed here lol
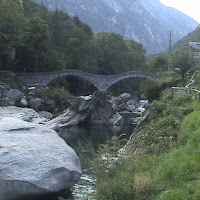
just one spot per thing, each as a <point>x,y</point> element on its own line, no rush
<point>34,160</point>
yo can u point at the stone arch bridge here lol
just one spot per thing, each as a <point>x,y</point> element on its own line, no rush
<point>101,82</point>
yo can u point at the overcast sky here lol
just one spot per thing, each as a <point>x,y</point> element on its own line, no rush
<point>189,7</point>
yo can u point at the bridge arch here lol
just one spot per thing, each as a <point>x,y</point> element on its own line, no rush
<point>101,82</point>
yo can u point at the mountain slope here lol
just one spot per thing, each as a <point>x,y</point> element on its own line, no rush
<point>146,21</point>
<point>170,17</point>
<point>183,44</point>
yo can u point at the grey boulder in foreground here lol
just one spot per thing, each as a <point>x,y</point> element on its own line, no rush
<point>34,160</point>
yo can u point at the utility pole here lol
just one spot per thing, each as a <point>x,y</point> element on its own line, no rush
<point>170,48</point>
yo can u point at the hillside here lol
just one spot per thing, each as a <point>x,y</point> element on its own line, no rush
<point>183,44</point>
<point>147,22</point>
<point>39,40</point>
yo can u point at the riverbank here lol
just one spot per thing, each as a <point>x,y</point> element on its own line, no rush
<point>14,103</point>
<point>160,161</point>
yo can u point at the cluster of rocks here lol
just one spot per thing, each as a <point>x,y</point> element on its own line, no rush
<point>8,96</point>
<point>99,108</point>
<point>34,161</point>
<point>14,97</point>
<point>39,104</point>
<point>25,114</point>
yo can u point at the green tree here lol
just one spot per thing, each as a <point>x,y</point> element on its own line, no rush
<point>80,48</point>
<point>12,22</point>
<point>183,63</point>
<point>135,55</point>
<point>61,27</point>
<point>119,55</point>
<point>36,40</point>
<point>156,65</point>
<point>114,50</point>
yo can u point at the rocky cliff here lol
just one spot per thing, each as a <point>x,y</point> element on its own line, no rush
<point>146,21</point>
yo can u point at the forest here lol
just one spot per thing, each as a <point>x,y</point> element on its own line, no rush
<point>34,39</point>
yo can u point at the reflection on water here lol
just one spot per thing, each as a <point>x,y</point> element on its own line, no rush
<point>83,138</point>
<point>79,136</point>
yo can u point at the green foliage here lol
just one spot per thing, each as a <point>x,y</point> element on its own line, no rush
<point>152,90</point>
<point>118,177</point>
<point>191,123</point>
<point>164,165</point>
<point>35,42</point>
<point>51,41</point>
<point>12,22</point>
<point>168,80</point>
<point>175,194</point>
<point>106,156</point>
<point>119,55</point>
<point>9,79</point>
<point>182,45</point>
<point>157,65</point>
<point>59,95</point>
<point>197,80</point>
<point>166,115</point>
<point>179,170</point>
<point>183,63</point>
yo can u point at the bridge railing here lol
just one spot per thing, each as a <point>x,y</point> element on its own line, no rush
<point>188,90</point>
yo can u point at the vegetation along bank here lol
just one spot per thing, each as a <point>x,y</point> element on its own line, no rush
<point>161,159</point>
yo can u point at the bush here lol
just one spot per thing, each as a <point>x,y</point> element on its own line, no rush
<point>121,177</point>
<point>152,90</point>
<point>197,79</point>
<point>160,167</point>
<point>192,122</point>
<point>175,194</point>
<point>178,174</point>
<point>60,95</point>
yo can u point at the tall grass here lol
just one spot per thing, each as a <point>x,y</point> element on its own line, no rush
<point>165,163</point>
<point>178,173</point>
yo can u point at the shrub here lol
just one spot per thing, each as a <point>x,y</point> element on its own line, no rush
<point>160,168</point>
<point>152,90</point>
<point>142,181</point>
<point>192,122</point>
<point>174,194</point>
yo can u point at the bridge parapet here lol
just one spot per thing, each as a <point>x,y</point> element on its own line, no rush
<point>101,82</point>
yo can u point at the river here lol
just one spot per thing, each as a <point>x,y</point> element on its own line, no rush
<point>84,139</point>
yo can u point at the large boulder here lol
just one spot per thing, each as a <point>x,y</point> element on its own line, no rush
<point>95,109</point>
<point>34,161</point>
<point>103,111</point>
<point>46,115</point>
<point>14,95</point>
<point>80,104</point>
<point>23,102</point>
<point>131,105</point>
<point>5,101</point>
<point>35,103</point>
<point>121,101</point>
<point>25,114</point>
<point>4,88</point>
<point>48,105</point>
